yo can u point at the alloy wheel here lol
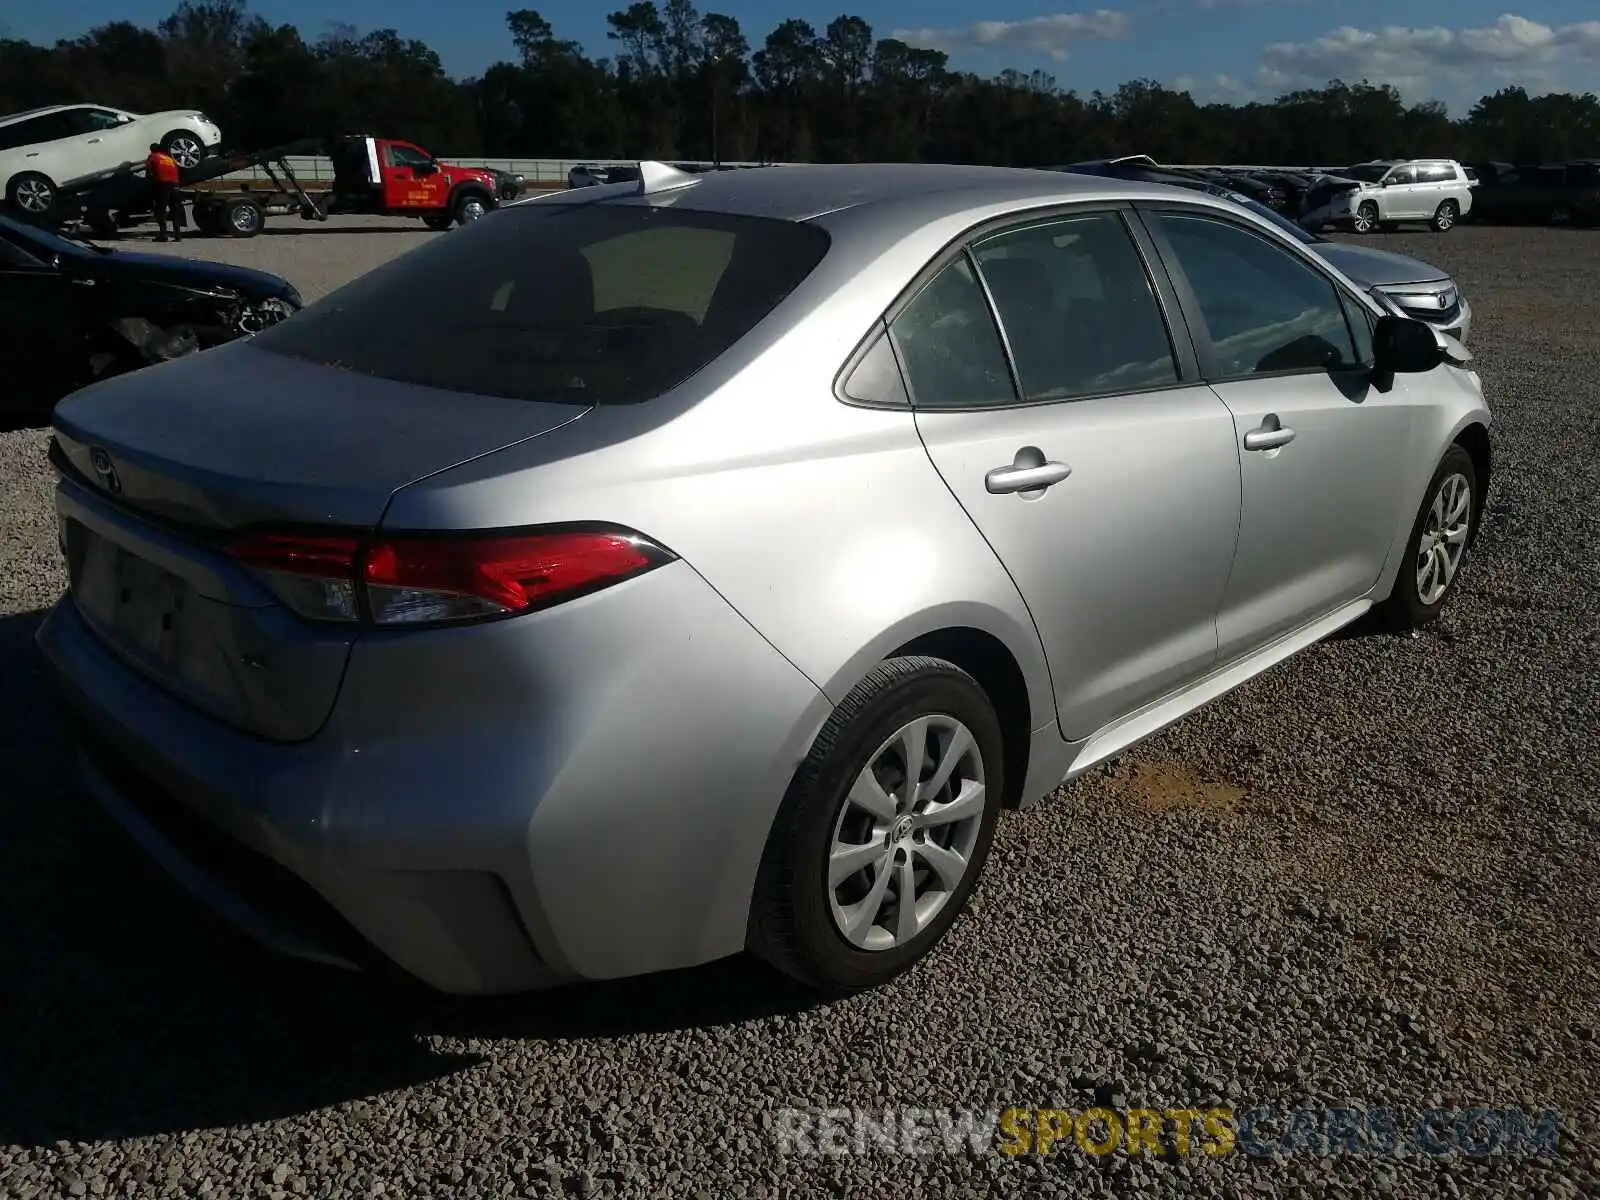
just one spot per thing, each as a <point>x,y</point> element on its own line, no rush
<point>906,833</point>
<point>185,152</point>
<point>34,196</point>
<point>1444,538</point>
<point>1366,219</point>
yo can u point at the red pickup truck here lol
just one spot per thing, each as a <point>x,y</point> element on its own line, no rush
<point>390,177</point>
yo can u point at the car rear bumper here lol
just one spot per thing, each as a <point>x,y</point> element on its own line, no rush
<point>513,820</point>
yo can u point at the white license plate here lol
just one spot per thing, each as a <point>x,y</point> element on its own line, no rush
<point>132,602</point>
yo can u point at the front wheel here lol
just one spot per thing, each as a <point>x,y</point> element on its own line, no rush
<point>1560,214</point>
<point>1366,219</point>
<point>185,148</point>
<point>1438,545</point>
<point>884,831</point>
<point>1445,216</point>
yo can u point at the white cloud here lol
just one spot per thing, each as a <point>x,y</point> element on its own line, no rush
<point>1053,35</point>
<point>1423,62</point>
<point>1215,89</point>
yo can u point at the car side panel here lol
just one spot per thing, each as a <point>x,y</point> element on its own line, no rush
<point>859,545</point>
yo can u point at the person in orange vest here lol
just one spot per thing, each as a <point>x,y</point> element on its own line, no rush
<point>164,175</point>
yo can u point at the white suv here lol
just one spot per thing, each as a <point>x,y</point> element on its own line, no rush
<point>1373,194</point>
<point>47,149</point>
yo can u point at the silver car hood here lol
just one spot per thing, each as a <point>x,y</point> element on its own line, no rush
<point>1378,268</point>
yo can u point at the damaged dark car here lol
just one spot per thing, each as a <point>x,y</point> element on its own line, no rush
<point>73,312</point>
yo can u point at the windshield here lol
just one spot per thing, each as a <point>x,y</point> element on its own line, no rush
<point>1277,218</point>
<point>1364,174</point>
<point>589,303</point>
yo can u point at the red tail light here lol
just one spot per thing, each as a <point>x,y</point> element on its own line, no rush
<point>410,580</point>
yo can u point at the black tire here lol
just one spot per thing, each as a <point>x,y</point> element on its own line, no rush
<point>1559,214</point>
<point>791,922</point>
<point>470,206</point>
<point>32,195</point>
<point>207,219</point>
<point>439,221</point>
<point>243,219</point>
<point>103,223</point>
<point>186,149</point>
<point>1445,216</point>
<point>1405,607</point>
<point>1366,219</point>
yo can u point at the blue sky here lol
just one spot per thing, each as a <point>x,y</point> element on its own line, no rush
<point>1453,50</point>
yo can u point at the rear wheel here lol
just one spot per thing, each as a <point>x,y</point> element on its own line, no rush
<point>243,218</point>
<point>1445,216</point>
<point>884,831</point>
<point>1560,214</point>
<point>1366,218</point>
<point>439,221</point>
<point>31,194</point>
<point>1438,545</point>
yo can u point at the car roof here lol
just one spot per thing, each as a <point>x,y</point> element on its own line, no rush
<point>839,191</point>
<point>9,118</point>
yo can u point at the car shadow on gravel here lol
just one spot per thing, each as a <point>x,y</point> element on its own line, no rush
<point>127,1009</point>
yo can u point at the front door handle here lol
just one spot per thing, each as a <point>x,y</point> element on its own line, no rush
<point>94,141</point>
<point>1029,472</point>
<point>1269,435</point>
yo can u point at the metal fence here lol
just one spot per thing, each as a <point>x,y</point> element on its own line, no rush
<point>539,172</point>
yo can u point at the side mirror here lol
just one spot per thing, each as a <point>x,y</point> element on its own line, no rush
<point>427,169</point>
<point>1403,346</point>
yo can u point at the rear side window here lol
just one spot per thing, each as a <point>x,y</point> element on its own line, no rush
<point>1436,173</point>
<point>950,345</point>
<point>579,304</point>
<point>1406,174</point>
<point>1078,309</point>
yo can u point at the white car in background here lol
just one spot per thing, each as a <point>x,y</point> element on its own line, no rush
<point>46,149</point>
<point>1389,191</point>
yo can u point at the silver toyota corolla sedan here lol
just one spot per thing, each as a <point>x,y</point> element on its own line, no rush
<point>662,569</point>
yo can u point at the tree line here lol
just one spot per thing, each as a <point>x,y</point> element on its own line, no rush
<point>686,84</point>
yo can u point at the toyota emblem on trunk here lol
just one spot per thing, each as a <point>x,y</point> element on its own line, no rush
<point>106,469</point>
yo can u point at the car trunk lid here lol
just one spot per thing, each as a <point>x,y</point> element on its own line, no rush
<point>236,437</point>
<point>164,465</point>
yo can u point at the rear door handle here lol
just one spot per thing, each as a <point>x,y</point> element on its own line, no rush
<point>1028,472</point>
<point>1269,435</point>
<point>94,141</point>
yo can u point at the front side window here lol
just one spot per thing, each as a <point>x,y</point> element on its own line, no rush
<point>407,156</point>
<point>578,304</point>
<point>1265,310</point>
<point>100,118</point>
<point>1078,308</point>
<point>950,346</point>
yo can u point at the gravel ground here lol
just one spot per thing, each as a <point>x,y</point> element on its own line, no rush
<point>1364,879</point>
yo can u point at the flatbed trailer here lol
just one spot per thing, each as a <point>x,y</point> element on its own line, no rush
<point>125,196</point>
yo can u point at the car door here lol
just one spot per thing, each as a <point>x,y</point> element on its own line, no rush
<point>36,330</point>
<point>115,139</point>
<point>1323,453</point>
<point>49,149</point>
<point>411,179</point>
<point>1076,434</point>
<point>1398,199</point>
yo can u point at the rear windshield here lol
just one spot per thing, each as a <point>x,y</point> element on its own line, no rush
<point>591,303</point>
